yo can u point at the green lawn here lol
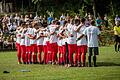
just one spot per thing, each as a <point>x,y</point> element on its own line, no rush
<point>108,68</point>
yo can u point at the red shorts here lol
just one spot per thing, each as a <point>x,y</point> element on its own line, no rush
<point>72,48</point>
<point>39,48</point>
<point>23,49</point>
<point>17,45</point>
<point>45,48</point>
<point>60,49</point>
<point>54,47</point>
<point>28,49</point>
<point>48,47</point>
<point>34,48</point>
<point>82,49</point>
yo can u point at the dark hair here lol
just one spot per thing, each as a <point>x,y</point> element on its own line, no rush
<point>92,22</point>
<point>57,23</point>
<point>82,20</point>
<point>77,21</point>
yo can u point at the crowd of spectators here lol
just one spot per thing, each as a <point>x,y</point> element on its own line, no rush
<point>9,23</point>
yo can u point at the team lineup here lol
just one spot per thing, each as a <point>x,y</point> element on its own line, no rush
<point>65,44</point>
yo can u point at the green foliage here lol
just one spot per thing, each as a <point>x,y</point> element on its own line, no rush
<point>36,1</point>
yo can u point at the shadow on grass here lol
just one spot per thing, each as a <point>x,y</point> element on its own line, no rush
<point>107,64</point>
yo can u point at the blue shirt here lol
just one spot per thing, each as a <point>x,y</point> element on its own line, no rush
<point>49,20</point>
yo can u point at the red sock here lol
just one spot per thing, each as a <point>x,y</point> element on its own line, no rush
<point>19,54</point>
<point>34,58</point>
<point>19,57</point>
<point>45,58</point>
<point>39,57</point>
<point>59,58</point>
<point>75,58</point>
<point>23,57</point>
<point>26,57</point>
<point>29,57</point>
<point>63,58</point>
<point>70,58</point>
<point>83,58</point>
<point>49,58</point>
<point>79,58</point>
<point>53,57</point>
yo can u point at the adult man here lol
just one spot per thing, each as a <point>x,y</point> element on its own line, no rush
<point>117,35</point>
<point>92,32</point>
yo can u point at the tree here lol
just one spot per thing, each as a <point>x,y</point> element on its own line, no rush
<point>93,3</point>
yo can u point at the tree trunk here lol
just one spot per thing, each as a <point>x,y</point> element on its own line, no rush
<point>1,7</point>
<point>94,9</point>
<point>112,8</point>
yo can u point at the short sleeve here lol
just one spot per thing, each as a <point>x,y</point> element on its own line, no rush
<point>98,32</point>
<point>114,28</point>
<point>85,32</point>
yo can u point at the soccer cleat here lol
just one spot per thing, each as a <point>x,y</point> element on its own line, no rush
<point>19,62</point>
<point>83,64</point>
<point>69,65</point>
<point>53,63</point>
<point>30,62</point>
<point>79,65</point>
<point>24,62</point>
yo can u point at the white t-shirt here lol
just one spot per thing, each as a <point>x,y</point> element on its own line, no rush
<point>27,39</point>
<point>46,38</point>
<point>32,32</point>
<point>59,42</point>
<point>53,38</point>
<point>92,33</point>
<point>83,40</point>
<point>71,30</point>
<point>22,39</point>
<point>18,37</point>
<point>40,40</point>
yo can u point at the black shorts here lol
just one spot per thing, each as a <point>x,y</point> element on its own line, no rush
<point>92,50</point>
<point>117,38</point>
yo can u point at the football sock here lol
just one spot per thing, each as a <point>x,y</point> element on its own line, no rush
<point>89,61</point>
<point>94,61</point>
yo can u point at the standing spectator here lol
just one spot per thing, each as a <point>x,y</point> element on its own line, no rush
<point>99,22</point>
<point>17,19</point>
<point>1,39</point>
<point>106,21</point>
<point>21,19</point>
<point>26,18</point>
<point>117,35</point>
<point>50,19</point>
<point>117,18</point>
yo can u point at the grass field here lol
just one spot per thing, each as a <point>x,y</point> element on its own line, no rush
<point>108,68</point>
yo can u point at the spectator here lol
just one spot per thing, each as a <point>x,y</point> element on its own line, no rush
<point>99,22</point>
<point>17,19</point>
<point>117,18</point>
